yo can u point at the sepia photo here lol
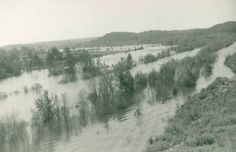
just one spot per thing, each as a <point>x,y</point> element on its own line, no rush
<point>117,75</point>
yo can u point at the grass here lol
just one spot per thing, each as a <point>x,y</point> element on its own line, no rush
<point>206,122</point>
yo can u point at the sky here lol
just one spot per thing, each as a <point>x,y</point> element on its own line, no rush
<point>26,21</point>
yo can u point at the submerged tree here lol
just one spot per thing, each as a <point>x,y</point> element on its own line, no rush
<point>70,60</point>
<point>126,83</point>
<point>45,107</point>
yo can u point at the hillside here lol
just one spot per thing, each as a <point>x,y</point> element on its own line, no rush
<point>206,122</point>
<point>156,36</point>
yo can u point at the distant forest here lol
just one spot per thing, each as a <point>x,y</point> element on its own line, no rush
<point>175,37</point>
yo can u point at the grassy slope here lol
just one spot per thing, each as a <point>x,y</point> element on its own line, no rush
<point>206,122</point>
<point>231,62</point>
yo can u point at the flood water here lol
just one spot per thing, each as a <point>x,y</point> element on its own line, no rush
<point>113,59</point>
<point>219,69</point>
<point>145,68</point>
<point>126,133</point>
<point>22,103</point>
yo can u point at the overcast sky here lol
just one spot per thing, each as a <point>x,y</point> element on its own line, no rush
<point>24,21</point>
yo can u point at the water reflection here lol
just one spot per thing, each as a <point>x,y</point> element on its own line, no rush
<point>71,126</point>
<point>13,135</point>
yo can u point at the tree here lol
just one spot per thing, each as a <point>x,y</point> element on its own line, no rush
<point>45,106</point>
<point>56,53</point>
<point>53,55</point>
<point>126,82</point>
<point>129,61</point>
<point>140,80</point>
<point>70,60</point>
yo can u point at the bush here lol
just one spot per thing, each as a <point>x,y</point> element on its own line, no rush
<point>231,62</point>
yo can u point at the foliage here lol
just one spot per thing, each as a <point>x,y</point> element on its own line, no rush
<point>53,117</point>
<point>83,107</point>
<point>180,75</point>
<point>13,135</point>
<point>151,58</point>
<point>113,92</point>
<point>123,65</point>
<point>126,83</point>
<point>140,81</point>
<point>184,40</point>
<point>45,107</point>
<point>231,62</point>
<point>103,96</point>
<point>70,61</point>
<point>27,58</point>
<point>9,64</point>
<point>53,55</point>
<point>88,67</point>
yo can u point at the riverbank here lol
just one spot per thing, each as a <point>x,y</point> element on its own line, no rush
<point>206,122</point>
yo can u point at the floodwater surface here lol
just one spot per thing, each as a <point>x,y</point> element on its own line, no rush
<point>127,132</point>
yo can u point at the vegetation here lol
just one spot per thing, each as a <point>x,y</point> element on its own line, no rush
<point>152,58</point>
<point>140,81</point>
<point>46,107</point>
<point>55,119</point>
<point>124,64</point>
<point>206,122</point>
<point>231,62</point>
<point>14,61</point>
<point>178,76</point>
<point>116,90</point>
<point>9,64</point>
<point>88,67</point>
<point>13,135</point>
<point>26,58</point>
